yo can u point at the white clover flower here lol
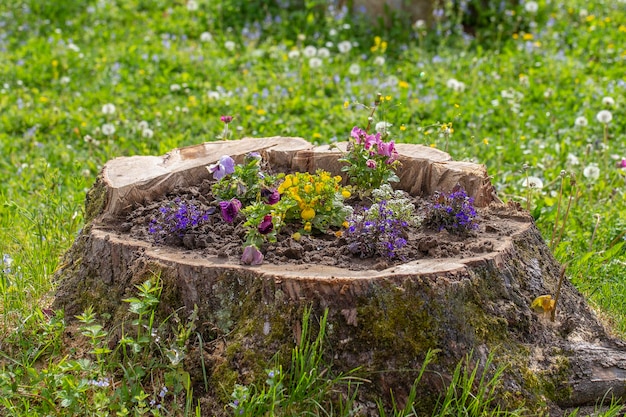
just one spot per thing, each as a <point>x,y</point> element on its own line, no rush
<point>382,127</point>
<point>455,85</point>
<point>206,37</point>
<point>531,7</point>
<point>64,80</point>
<point>532,182</point>
<point>355,69</point>
<point>323,52</point>
<point>309,51</point>
<point>329,44</point>
<point>591,172</point>
<point>581,121</point>
<point>315,62</point>
<point>293,54</point>
<point>73,47</point>
<point>230,45</point>
<point>495,102</point>
<point>192,5</point>
<point>108,129</point>
<point>142,125</point>
<point>213,95</point>
<point>379,60</point>
<point>332,32</point>
<point>108,108</point>
<point>175,87</point>
<point>344,46</point>
<point>604,116</point>
<point>608,101</point>
<point>147,133</point>
<point>301,37</point>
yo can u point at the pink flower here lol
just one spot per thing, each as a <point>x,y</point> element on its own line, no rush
<point>251,256</point>
<point>226,119</point>
<point>371,164</point>
<point>358,134</point>
<point>371,140</point>
<point>622,163</point>
<point>388,149</point>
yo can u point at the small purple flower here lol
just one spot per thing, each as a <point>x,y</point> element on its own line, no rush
<point>230,209</point>
<point>226,119</point>
<point>223,167</point>
<point>270,196</point>
<point>251,256</point>
<point>622,163</point>
<point>371,164</point>
<point>266,226</point>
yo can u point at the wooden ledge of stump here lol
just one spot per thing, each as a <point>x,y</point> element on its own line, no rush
<point>381,321</point>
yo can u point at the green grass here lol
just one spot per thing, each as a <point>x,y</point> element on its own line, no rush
<point>525,82</point>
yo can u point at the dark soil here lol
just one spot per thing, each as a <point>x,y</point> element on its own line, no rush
<point>218,238</point>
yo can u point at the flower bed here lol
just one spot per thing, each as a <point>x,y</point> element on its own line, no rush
<point>250,213</point>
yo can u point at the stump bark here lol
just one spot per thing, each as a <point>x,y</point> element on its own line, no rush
<point>382,321</point>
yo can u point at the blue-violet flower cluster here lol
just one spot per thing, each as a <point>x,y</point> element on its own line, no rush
<point>381,234</point>
<point>453,212</point>
<point>177,219</point>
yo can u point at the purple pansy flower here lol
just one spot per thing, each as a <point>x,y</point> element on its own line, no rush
<point>270,196</point>
<point>251,256</point>
<point>230,209</point>
<point>223,167</point>
<point>266,225</point>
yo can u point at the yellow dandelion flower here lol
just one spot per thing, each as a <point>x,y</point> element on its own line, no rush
<point>403,84</point>
<point>388,98</point>
<point>528,36</point>
<point>515,36</point>
<point>261,112</point>
<point>486,141</point>
<point>317,135</point>
<point>346,104</point>
<point>402,128</point>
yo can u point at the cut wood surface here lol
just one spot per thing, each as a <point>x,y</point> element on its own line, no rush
<point>383,321</point>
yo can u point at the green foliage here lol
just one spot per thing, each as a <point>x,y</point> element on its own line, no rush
<point>245,183</point>
<point>142,374</point>
<point>307,387</point>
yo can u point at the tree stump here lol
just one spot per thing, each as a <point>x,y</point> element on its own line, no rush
<point>383,321</point>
